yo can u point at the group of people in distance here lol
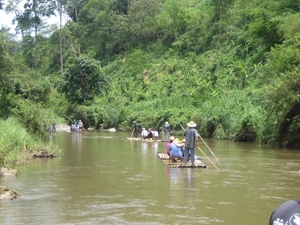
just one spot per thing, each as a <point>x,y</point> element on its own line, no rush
<point>149,134</point>
<point>186,147</point>
<point>52,127</point>
<point>77,126</point>
<point>175,148</point>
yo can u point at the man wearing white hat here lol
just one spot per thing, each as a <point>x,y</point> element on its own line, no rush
<point>191,140</point>
<point>166,131</point>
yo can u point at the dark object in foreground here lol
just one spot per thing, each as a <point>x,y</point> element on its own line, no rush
<point>287,213</point>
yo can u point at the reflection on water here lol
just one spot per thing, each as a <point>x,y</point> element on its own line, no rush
<point>76,141</point>
<point>175,176</point>
<point>155,146</point>
<point>144,146</point>
<point>182,179</point>
<point>104,178</point>
<point>151,145</point>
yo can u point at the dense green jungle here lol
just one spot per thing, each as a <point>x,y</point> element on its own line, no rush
<point>232,66</point>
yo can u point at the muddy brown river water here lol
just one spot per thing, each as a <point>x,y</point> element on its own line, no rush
<point>105,179</point>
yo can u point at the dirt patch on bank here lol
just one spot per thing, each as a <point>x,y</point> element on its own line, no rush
<point>6,172</point>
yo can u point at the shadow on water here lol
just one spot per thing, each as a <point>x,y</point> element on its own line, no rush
<point>103,178</point>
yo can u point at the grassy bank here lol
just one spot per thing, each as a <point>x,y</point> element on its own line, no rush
<point>16,144</point>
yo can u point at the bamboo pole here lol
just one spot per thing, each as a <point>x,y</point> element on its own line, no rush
<point>68,118</point>
<point>208,148</point>
<point>131,133</point>
<point>208,158</point>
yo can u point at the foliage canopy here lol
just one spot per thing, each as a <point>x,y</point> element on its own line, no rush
<point>232,66</point>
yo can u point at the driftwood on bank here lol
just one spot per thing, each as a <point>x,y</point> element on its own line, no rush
<point>41,154</point>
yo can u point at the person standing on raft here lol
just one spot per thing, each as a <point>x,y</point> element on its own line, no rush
<point>191,141</point>
<point>135,129</point>
<point>166,131</point>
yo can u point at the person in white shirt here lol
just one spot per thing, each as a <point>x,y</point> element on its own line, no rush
<point>144,133</point>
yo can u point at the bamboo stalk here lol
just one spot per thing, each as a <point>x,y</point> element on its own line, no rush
<point>208,148</point>
<point>208,158</point>
<point>131,133</point>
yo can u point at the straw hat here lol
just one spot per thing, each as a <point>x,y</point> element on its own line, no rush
<point>167,123</point>
<point>177,142</point>
<point>192,124</point>
<point>171,138</point>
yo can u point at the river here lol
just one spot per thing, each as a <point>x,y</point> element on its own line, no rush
<point>103,178</point>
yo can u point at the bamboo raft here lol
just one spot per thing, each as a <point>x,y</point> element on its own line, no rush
<point>177,162</point>
<point>140,139</point>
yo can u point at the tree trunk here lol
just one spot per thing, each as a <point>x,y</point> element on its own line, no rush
<point>60,40</point>
<point>36,51</point>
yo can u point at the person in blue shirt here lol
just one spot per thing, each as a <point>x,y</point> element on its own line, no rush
<point>176,149</point>
<point>75,125</point>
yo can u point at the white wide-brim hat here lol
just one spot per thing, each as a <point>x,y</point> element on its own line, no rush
<point>192,124</point>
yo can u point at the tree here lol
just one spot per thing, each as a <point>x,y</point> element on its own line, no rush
<point>220,7</point>
<point>6,79</point>
<point>136,27</point>
<point>61,4</point>
<point>34,11</point>
<point>83,80</point>
<point>60,12</point>
<point>73,8</point>
<point>120,6</point>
